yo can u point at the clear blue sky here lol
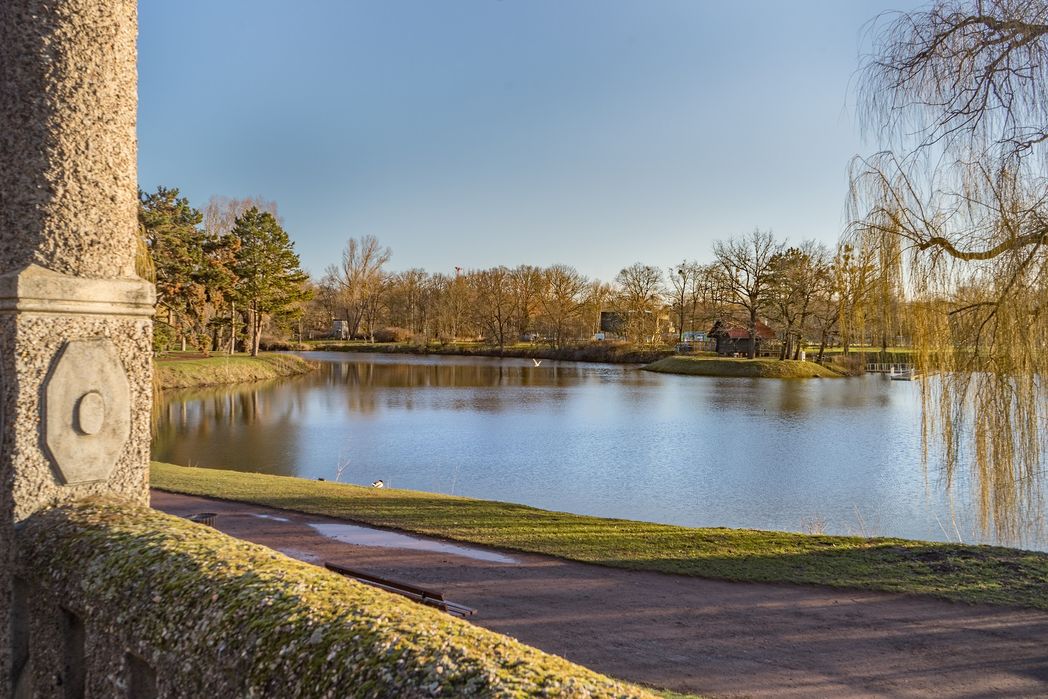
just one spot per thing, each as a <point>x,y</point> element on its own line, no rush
<point>597,133</point>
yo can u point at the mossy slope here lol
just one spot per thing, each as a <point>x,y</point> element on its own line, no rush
<point>951,571</point>
<point>216,616</point>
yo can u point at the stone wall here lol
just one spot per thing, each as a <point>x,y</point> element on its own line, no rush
<point>71,309</point>
<point>127,601</point>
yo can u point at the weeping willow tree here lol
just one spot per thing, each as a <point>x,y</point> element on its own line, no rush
<point>957,206</point>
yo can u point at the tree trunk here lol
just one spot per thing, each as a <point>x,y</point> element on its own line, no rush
<point>253,337</point>
<point>753,334</point>
<point>822,347</point>
<point>232,327</point>
<point>257,333</point>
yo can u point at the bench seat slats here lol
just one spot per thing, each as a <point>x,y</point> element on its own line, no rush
<point>422,595</point>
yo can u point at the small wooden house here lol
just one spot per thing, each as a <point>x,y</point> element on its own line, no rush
<point>733,337</point>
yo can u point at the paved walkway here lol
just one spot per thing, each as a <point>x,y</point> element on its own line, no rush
<point>694,635</point>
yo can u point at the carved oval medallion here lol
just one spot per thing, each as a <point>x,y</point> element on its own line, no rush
<point>90,412</point>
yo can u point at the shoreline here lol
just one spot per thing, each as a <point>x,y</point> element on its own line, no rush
<point>221,370</point>
<point>957,572</point>
<point>761,368</point>
<point>599,353</point>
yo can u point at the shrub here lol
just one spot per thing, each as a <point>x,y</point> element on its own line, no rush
<point>392,334</point>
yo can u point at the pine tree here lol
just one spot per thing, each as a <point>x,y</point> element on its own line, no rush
<point>171,231</point>
<point>269,278</point>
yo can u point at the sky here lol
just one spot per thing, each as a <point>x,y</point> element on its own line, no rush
<point>473,133</point>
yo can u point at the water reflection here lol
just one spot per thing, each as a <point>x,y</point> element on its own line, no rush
<point>595,439</point>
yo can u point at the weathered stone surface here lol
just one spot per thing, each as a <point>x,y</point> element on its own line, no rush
<point>246,621</point>
<point>68,101</point>
<point>29,344</point>
<point>68,186</point>
<point>40,311</point>
<point>36,289</point>
<point>87,409</point>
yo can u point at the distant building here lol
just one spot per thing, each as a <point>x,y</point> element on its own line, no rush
<point>340,329</point>
<point>733,337</point>
<point>694,336</point>
<point>612,324</point>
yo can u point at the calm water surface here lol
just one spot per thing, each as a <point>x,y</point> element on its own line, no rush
<point>841,456</point>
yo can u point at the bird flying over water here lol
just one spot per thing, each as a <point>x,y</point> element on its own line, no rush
<point>378,484</point>
<point>538,362</point>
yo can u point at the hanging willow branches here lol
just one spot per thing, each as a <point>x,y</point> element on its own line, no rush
<point>957,205</point>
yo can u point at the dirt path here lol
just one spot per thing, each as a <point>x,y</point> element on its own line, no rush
<point>693,635</point>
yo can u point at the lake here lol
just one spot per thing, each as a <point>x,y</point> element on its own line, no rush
<point>839,455</point>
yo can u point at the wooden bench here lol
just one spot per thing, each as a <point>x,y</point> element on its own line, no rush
<point>414,592</point>
<point>205,518</point>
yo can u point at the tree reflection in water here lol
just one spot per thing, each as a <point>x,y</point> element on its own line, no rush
<point>596,439</point>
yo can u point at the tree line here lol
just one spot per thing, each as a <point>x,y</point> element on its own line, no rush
<point>222,275</point>
<point>227,274</point>
<point>807,292</point>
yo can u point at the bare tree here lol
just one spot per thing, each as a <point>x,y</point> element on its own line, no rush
<point>451,306</point>
<point>494,302</point>
<point>598,296</point>
<point>684,278</point>
<point>408,299</point>
<point>708,294</point>
<point>854,272</point>
<point>640,293</point>
<point>562,301</point>
<point>360,281</point>
<point>799,276</point>
<point>958,94</point>
<point>526,282</point>
<point>746,264</point>
<point>221,212</point>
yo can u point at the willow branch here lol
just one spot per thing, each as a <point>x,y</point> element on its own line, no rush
<point>971,255</point>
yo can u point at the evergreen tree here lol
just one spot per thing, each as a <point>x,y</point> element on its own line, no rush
<point>269,278</point>
<point>171,231</point>
<point>220,282</point>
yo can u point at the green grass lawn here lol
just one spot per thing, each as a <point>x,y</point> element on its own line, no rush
<point>225,369</point>
<point>956,572</point>
<point>752,368</point>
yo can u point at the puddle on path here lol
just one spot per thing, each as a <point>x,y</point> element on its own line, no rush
<point>272,517</point>
<point>365,536</point>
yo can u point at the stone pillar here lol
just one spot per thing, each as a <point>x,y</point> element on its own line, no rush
<point>75,321</point>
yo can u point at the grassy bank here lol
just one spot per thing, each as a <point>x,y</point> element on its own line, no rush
<point>214,371</point>
<point>606,352</point>
<point>950,571</point>
<point>753,368</point>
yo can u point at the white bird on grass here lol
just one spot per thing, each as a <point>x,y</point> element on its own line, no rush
<point>538,362</point>
<point>378,484</point>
